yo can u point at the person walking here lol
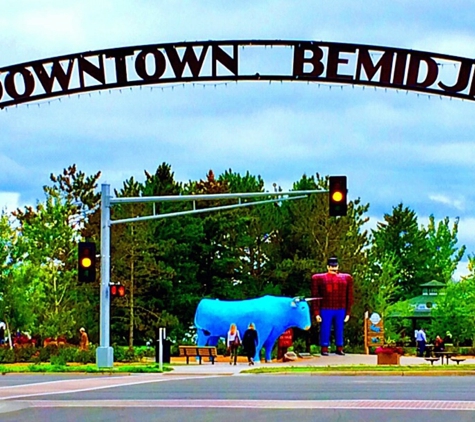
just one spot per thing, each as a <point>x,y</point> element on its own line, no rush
<point>250,339</point>
<point>421,342</point>
<point>233,342</point>
<point>84,340</point>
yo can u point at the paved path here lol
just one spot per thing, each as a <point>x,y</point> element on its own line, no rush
<point>223,368</point>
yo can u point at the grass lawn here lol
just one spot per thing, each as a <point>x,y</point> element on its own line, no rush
<point>356,369</point>
<point>119,368</point>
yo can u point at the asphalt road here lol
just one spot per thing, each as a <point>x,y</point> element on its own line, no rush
<point>236,398</point>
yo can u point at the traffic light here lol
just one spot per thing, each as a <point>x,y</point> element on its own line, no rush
<point>338,196</point>
<point>87,261</point>
<point>116,290</point>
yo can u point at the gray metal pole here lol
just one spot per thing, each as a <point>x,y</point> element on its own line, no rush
<point>105,353</point>
<point>161,338</point>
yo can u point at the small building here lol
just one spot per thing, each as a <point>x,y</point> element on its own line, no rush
<point>424,303</point>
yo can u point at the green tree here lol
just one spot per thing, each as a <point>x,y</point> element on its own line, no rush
<point>47,242</point>
<point>399,237</point>
<point>455,311</point>
<point>444,254</point>
<point>255,237</point>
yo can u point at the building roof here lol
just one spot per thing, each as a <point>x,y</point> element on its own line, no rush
<point>433,283</point>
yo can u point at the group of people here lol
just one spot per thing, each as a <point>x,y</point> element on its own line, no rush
<point>249,343</point>
<point>439,343</point>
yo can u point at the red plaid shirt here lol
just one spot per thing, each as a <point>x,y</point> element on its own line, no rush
<point>335,290</point>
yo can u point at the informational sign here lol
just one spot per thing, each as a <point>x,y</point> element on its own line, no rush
<point>286,339</point>
<point>374,331</point>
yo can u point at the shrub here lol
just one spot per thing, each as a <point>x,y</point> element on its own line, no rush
<point>24,354</point>
<point>85,356</point>
<point>144,352</point>
<point>129,355</point>
<point>119,353</point>
<point>58,360</point>
<point>7,355</point>
<point>68,353</point>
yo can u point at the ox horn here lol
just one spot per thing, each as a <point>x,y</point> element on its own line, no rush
<point>309,299</point>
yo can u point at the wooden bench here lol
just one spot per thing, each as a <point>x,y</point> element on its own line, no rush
<point>431,360</point>
<point>458,360</point>
<point>198,351</point>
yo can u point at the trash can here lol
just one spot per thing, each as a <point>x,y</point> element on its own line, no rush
<point>165,351</point>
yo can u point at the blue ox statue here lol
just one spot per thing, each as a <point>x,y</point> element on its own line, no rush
<point>272,315</point>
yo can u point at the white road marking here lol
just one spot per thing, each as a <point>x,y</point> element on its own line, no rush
<point>263,404</point>
<point>112,384</point>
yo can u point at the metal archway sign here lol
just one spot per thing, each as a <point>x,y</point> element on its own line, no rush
<point>219,61</point>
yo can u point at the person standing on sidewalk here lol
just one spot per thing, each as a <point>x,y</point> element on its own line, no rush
<point>421,342</point>
<point>233,342</point>
<point>250,340</point>
<point>84,340</point>
<point>336,292</point>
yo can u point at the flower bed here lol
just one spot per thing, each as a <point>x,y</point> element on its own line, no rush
<point>389,355</point>
<point>389,350</point>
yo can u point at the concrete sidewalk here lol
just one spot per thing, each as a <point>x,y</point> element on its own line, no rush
<point>224,368</point>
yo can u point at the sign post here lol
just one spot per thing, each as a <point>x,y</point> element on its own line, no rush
<point>373,331</point>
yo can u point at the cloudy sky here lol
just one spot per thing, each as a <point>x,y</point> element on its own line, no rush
<point>393,146</point>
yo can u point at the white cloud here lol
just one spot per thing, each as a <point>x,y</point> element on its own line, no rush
<point>9,201</point>
<point>461,271</point>
<point>443,199</point>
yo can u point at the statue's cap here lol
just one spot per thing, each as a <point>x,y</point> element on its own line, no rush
<point>332,262</point>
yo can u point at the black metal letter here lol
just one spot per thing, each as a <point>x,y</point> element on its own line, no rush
<point>28,80</point>
<point>334,60</point>
<point>385,63</point>
<point>120,55</point>
<point>300,60</point>
<point>414,68</point>
<point>57,72</point>
<point>462,81</point>
<point>97,72</point>
<point>141,68</point>
<point>219,55</point>
<point>189,58</point>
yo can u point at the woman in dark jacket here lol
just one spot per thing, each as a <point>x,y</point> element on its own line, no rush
<point>249,343</point>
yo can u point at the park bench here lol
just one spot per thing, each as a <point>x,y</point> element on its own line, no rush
<point>431,360</point>
<point>198,351</point>
<point>458,360</point>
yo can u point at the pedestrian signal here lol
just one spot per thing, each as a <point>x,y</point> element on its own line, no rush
<point>117,290</point>
<point>338,196</point>
<point>87,261</point>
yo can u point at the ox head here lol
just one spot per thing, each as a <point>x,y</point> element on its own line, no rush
<point>301,313</point>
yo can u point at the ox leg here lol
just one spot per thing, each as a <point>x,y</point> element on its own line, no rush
<point>269,345</point>
<point>262,336</point>
<point>202,338</point>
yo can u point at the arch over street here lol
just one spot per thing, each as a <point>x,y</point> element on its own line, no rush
<point>238,60</point>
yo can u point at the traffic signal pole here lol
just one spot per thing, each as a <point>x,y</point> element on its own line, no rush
<point>105,353</point>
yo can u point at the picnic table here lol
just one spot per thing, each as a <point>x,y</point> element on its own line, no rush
<point>447,355</point>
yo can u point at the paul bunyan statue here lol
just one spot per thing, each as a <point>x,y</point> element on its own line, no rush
<point>334,308</point>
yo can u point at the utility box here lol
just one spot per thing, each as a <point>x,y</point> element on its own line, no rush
<point>166,348</point>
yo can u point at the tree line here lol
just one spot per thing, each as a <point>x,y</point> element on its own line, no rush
<point>169,265</point>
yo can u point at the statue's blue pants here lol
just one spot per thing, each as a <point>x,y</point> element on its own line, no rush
<point>329,317</point>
